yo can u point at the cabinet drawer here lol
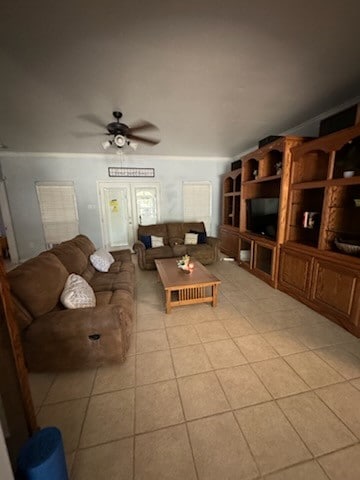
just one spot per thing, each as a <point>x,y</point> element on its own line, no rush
<point>336,290</point>
<point>295,272</point>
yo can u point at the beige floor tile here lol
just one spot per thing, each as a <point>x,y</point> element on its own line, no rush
<point>313,370</point>
<point>356,383</point>
<point>157,405</point>
<point>319,428</point>
<point>272,440</point>
<point>131,350</point>
<point>71,385</point>
<point>109,417</point>
<point>341,360</point>
<point>267,322</point>
<point>255,348</point>
<point>202,313</point>
<point>112,461</point>
<point>202,395</point>
<point>224,353</point>
<point>164,454</point>
<point>344,400</point>
<point>40,384</point>
<point>154,367</point>
<point>151,340</point>
<point>148,308</point>
<point>68,417</point>
<point>305,471</point>
<point>182,335</point>
<point>149,322</point>
<point>190,360</point>
<point>115,377</point>
<point>220,450</point>
<point>248,308</point>
<point>238,326</point>
<point>242,387</point>
<point>276,303</point>
<point>211,331</point>
<point>321,335</point>
<point>353,347</point>
<point>343,465</point>
<point>284,342</point>
<point>279,378</point>
<point>226,310</point>
<point>178,316</point>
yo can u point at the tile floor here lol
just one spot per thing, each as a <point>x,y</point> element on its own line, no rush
<point>260,387</point>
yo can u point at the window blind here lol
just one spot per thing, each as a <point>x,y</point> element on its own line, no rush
<point>197,203</point>
<point>58,209</point>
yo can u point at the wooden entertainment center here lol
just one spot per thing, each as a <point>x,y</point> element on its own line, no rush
<point>317,206</point>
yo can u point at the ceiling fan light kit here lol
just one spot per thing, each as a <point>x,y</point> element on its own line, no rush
<point>123,135</point>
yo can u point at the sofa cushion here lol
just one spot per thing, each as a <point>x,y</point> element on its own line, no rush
<point>77,293</point>
<point>102,282</point>
<point>101,260</point>
<point>71,257</point>
<point>202,237</point>
<point>191,239</point>
<point>176,241</point>
<point>85,244</point>
<point>38,283</point>
<point>160,252</point>
<point>146,240</point>
<point>201,252</point>
<point>159,230</point>
<point>156,241</point>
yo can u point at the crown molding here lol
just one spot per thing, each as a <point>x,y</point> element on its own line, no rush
<point>111,157</point>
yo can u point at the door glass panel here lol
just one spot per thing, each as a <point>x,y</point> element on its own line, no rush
<point>146,205</point>
<point>117,216</point>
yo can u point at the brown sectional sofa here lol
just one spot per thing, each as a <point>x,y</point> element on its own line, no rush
<point>173,235</point>
<point>55,338</point>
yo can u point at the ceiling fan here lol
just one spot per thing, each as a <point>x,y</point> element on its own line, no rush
<point>121,134</point>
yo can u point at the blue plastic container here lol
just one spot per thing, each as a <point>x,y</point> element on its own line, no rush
<point>42,457</point>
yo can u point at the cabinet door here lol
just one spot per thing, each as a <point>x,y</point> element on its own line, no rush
<point>229,242</point>
<point>295,272</point>
<point>264,262</point>
<point>336,291</point>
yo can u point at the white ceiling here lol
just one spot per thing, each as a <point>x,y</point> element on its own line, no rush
<point>215,76</point>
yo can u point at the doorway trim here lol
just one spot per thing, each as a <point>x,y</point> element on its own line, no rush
<point>6,216</point>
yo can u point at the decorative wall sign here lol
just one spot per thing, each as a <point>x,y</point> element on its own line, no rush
<point>131,172</point>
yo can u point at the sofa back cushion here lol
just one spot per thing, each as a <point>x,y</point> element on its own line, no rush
<point>38,283</point>
<point>85,245</point>
<point>198,227</point>
<point>159,230</point>
<point>71,257</point>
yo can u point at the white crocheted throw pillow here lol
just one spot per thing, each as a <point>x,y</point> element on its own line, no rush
<point>157,241</point>
<point>191,238</point>
<point>77,293</point>
<point>101,260</point>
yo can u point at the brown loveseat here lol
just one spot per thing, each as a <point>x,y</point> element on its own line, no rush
<point>173,235</point>
<point>55,338</point>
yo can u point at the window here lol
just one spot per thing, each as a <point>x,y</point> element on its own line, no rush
<point>58,211</point>
<point>197,203</point>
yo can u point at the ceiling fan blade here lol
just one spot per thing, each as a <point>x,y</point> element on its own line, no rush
<point>142,125</point>
<point>91,118</point>
<point>149,141</point>
<point>87,135</point>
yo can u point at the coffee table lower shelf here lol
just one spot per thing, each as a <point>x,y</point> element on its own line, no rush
<point>176,296</point>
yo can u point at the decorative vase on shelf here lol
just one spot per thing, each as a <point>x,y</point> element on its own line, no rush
<point>255,173</point>
<point>348,173</point>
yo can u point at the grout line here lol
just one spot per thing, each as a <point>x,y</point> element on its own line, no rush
<point>183,413</point>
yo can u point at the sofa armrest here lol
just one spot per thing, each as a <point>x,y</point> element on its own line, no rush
<point>214,242</point>
<point>74,322</point>
<point>139,249</point>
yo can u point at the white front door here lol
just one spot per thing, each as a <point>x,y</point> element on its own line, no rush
<point>125,206</point>
<point>116,216</point>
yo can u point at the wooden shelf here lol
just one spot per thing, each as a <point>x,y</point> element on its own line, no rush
<point>326,183</point>
<point>263,179</point>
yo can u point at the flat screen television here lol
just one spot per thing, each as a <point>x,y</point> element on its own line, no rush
<point>262,216</point>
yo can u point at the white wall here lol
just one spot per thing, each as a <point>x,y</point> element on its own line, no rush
<point>21,171</point>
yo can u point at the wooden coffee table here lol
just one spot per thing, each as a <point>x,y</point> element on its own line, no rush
<point>182,288</point>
